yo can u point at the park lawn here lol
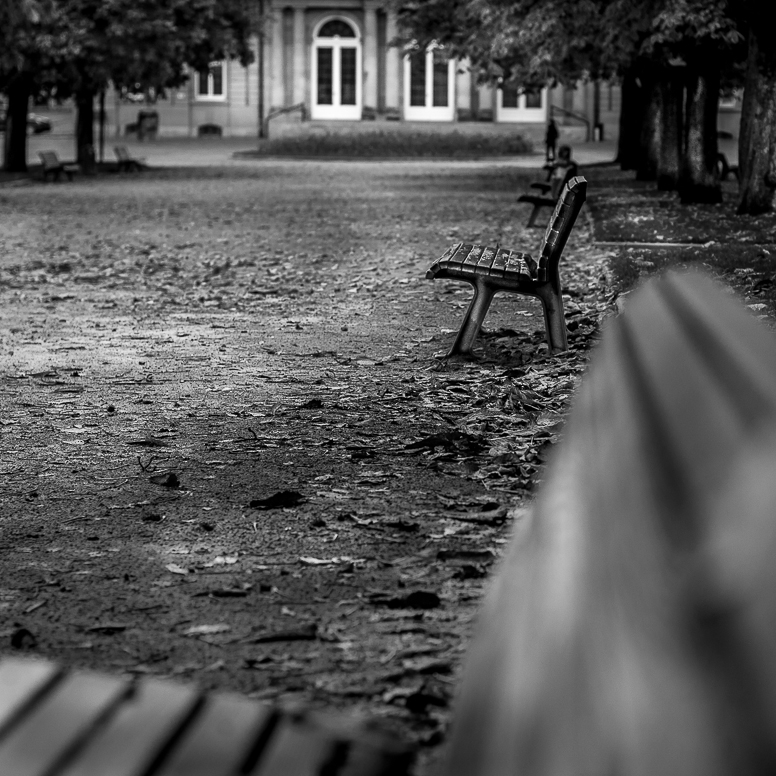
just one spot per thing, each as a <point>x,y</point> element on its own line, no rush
<point>645,232</point>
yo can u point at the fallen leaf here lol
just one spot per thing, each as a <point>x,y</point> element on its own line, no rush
<point>418,599</point>
<point>108,628</point>
<point>307,632</point>
<point>168,479</point>
<point>279,500</point>
<point>207,630</point>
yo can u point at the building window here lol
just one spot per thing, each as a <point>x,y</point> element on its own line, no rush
<point>429,78</point>
<point>336,63</point>
<point>515,104</point>
<point>210,84</point>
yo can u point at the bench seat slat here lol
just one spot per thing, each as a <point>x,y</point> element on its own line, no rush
<point>488,258</point>
<point>20,682</point>
<point>138,733</point>
<point>220,738</point>
<point>300,749</point>
<point>706,391</point>
<point>459,255</point>
<point>57,722</point>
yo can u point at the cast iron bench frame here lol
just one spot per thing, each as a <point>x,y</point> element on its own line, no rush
<point>54,167</point>
<point>493,269</point>
<point>127,163</point>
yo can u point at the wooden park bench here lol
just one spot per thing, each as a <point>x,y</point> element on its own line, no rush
<point>559,173</point>
<point>127,163</point>
<point>492,269</point>
<point>55,722</point>
<point>631,628</point>
<point>724,168</point>
<point>53,167</point>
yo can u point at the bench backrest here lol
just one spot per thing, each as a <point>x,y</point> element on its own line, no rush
<point>50,159</point>
<point>558,230</point>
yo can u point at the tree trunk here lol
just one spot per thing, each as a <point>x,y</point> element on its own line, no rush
<point>632,112</point>
<point>84,132</point>
<point>15,151</point>
<point>699,179</point>
<point>671,120</point>
<point>649,153</point>
<point>757,140</point>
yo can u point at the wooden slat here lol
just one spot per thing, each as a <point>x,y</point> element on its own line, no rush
<point>460,255</point>
<point>517,270</point>
<point>56,724</point>
<point>137,733</point>
<point>694,422</point>
<point>219,740</point>
<point>300,749</point>
<point>470,262</point>
<point>487,259</point>
<point>20,683</point>
<point>499,264</point>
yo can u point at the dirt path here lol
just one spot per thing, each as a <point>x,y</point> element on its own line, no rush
<point>228,452</point>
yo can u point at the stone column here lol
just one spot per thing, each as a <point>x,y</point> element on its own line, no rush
<point>300,57</point>
<point>277,96</point>
<point>369,50</point>
<point>393,65</point>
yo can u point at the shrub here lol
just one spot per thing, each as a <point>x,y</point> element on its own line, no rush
<point>397,144</point>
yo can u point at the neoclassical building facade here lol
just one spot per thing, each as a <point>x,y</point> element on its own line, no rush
<point>330,63</point>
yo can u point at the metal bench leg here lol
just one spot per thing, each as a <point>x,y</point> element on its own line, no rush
<point>472,321</point>
<point>533,216</point>
<point>554,319</point>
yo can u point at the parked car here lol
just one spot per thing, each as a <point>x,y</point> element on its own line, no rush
<point>36,124</point>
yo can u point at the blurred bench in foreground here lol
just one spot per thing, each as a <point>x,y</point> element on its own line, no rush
<point>631,628</point>
<point>55,722</point>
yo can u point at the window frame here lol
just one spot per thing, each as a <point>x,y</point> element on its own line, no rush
<point>210,96</point>
<point>521,113</point>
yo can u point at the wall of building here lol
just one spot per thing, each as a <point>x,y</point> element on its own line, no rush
<point>288,53</point>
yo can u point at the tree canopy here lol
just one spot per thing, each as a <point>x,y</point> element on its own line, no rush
<point>77,47</point>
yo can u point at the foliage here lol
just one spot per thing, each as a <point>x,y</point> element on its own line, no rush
<point>150,43</point>
<point>543,42</point>
<point>67,45</point>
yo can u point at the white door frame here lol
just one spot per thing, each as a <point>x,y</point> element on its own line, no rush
<point>336,110</point>
<point>430,112</point>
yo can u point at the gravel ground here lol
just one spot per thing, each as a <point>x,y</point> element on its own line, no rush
<point>230,452</point>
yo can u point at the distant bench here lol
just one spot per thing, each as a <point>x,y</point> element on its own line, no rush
<point>53,167</point>
<point>55,722</point>
<point>725,168</point>
<point>490,269</point>
<point>127,163</point>
<point>559,173</point>
<point>631,628</point>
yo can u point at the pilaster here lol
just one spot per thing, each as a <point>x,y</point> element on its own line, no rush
<point>393,65</point>
<point>300,57</point>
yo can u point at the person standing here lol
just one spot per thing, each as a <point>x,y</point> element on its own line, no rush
<point>550,139</point>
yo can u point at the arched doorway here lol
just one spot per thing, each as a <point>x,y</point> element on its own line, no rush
<point>336,73</point>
